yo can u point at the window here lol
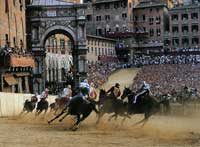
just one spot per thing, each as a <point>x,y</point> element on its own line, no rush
<point>20,4</point>
<point>195,41</point>
<point>174,17</point>
<point>135,18</point>
<point>130,5</point>
<point>143,17</point>
<point>95,51</point>
<point>151,32</point>
<point>184,16</point>
<point>107,17</point>
<point>175,29</point>
<point>6,6</point>
<point>107,6</point>
<point>98,7</point>
<point>14,2</point>
<point>116,5</point>
<point>14,41</point>
<point>151,21</point>
<point>124,15</point>
<point>158,32</point>
<point>194,15</point>
<point>6,38</point>
<point>158,20</point>
<point>98,18</point>
<point>175,42</point>
<point>123,4</point>
<point>89,17</point>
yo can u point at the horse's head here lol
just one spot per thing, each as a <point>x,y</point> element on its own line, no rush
<point>126,93</point>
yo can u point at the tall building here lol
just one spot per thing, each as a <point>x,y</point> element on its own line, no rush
<point>15,62</point>
<point>104,16</point>
<point>184,29</point>
<point>100,49</point>
<point>151,18</point>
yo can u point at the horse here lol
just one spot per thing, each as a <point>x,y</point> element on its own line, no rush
<point>77,107</point>
<point>111,105</point>
<point>29,105</point>
<point>42,106</point>
<point>146,105</point>
<point>59,104</point>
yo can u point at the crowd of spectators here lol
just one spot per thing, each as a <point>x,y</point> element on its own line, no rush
<point>98,73</point>
<point>140,60</point>
<point>169,78</point>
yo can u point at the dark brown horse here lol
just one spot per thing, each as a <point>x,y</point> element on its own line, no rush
<point>29,105</point>
<point>42,105</point>
<point>77,107</point>
<point>111,105</point>
<point>146,105</point>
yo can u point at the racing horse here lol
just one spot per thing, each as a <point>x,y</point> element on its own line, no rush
<point>29,105</point>
<point>77,107</point>
<point>146,105</point>
<point>111,105</point>
<point>42,105</point>
<point>59,104</point>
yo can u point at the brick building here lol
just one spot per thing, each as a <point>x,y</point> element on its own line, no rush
<point>16,64</point>
<point>152,18</point>
<point>104,16</point>
<point>184,29</point>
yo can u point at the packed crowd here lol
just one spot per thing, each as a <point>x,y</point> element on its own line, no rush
<point>98,73</point>
<point>139,60</point>
<point>168,78</point>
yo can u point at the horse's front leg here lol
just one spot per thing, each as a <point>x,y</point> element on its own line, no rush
<point>56,117</point>
<point>64,117</point>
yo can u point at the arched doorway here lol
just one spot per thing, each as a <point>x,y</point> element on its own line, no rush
<point>65,19</point>
<point>58,61</point>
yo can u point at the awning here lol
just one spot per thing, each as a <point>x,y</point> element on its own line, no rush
<point>10,80</point>
<point>22,61</point>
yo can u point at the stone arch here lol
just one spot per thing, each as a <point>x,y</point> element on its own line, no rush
<point>58,29</point>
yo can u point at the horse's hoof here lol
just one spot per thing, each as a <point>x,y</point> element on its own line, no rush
<point>49,122</point>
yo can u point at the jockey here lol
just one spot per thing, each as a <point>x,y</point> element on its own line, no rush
<point>67,92</point>
<point>145,89</point>
<point>114,91</point>
<point>92,93</point>
<point>84,88</point>
<point>44,94</point>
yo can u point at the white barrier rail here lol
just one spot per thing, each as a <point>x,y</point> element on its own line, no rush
<point>11,104</point>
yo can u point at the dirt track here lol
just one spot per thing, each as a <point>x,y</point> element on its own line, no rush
<point>160,131</point>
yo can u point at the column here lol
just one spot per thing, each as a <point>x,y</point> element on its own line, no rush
<point>19,85</point>
<point>27,84</point>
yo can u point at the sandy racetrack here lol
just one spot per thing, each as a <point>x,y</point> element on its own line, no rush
<point>160,131</point>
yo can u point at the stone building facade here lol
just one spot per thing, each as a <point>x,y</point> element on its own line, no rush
<point>46,19</point>
<point>151,18</point>
<point>15,61</point>
<point>100,49</point>
<point>184,30</point>
<point>104,16</point>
